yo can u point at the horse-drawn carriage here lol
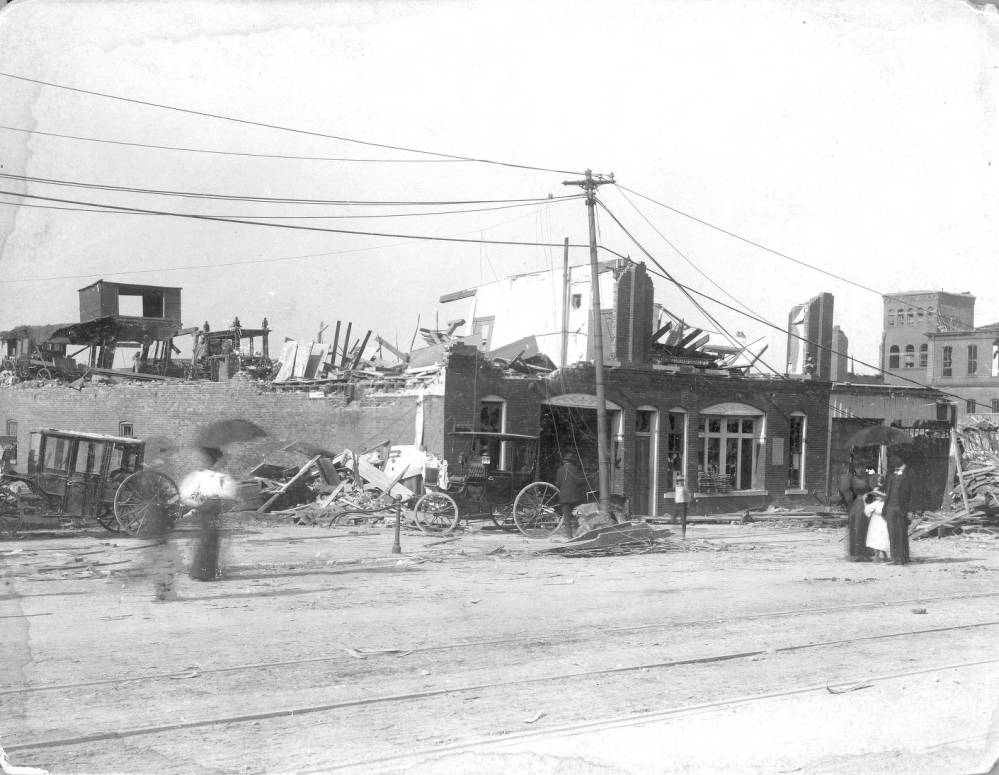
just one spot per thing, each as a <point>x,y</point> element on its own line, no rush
<point>497,478</point>
<point>75,479</point>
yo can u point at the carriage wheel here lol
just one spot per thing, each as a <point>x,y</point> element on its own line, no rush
<point>146,503</point>
<point>436,512</point>
<point>43,373</point>
<point>536,510</point>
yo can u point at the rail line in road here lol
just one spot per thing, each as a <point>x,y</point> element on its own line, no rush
<point>564,636</point>
<point>430,693</point>
<point>634,719</point>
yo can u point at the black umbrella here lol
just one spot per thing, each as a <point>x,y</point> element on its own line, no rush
<point>879,435</point>
<point>217,435</point>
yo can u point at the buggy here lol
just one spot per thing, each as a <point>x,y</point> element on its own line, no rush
<point>78,478</point>
<point>496,477</point>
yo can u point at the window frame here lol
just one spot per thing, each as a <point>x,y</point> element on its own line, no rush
<point>723,435</point>
<point>676,445</point>
<point>972,360</point>
<point>894,357</point>
<point>947,361</point>
<point>802,451</point>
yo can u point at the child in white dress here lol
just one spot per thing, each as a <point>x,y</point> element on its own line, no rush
<point>877,528</point>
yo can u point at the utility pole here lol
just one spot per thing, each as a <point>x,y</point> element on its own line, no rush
<point>565,306</point>
<point>589,184</point>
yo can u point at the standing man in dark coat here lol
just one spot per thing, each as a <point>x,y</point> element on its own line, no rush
<point>899,497</point>
<point>571,485</point>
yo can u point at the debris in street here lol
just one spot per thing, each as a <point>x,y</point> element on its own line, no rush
<point>627,538</point>
<point>854,688</point>
<point>536,717</point>
<point>340,488</point>
<point>975,499</point>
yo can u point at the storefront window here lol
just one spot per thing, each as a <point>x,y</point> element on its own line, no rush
<point>796,453</point>
<point>728,453</point>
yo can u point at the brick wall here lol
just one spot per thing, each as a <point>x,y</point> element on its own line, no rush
<point>470,377</point>
<point>178,411</point>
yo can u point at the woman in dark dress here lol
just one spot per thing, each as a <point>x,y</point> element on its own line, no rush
<point>857,550</point>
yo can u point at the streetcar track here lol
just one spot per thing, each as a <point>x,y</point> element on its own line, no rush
<point>548,637</point>
<point>430,693</point>
<point>634,719</point>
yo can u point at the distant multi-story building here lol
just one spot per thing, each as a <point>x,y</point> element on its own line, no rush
<point>930,338</point>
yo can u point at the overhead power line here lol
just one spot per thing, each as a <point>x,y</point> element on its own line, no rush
<point>309,217</point>
<point>293,226</point>
<point>801,338</point>
<point>280,127</point>
<point>272,199</point>
<point>777,253</point>
<point>641,247</point>
<point>284,156</point>
<point>687,290</point>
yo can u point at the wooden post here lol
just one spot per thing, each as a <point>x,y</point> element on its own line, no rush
<point>960,474</point>
<point>360,352</point>
<point>565,305</point>
<point>346,346</point>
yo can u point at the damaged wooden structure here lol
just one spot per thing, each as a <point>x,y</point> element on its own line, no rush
<point>973,503</point>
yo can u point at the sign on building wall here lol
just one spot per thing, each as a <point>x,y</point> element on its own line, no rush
<point>777,452</point>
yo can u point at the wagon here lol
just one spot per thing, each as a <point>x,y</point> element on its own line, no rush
<point>496,478</point>
<point>79,478</point>
<point>40,367</point>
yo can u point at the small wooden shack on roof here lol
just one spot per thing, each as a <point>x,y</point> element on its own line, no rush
<point>144,317</point>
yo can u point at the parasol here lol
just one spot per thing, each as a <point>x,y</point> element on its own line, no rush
<point>223,432</point>
<point>879,435</point>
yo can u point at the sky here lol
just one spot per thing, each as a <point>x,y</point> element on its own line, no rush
<point>856,138</point>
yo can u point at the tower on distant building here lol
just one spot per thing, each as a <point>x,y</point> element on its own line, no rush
<point>910,316</point>
<point>810,338</point>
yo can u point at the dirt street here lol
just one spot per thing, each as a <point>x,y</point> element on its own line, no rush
<point>748,648</point>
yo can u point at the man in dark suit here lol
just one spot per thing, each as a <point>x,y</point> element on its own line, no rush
<point>899,498</point>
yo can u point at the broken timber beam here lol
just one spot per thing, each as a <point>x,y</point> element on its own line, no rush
<point>662,331</point>
<point>284,487</point>
<point>397,353</point>
<point>360,351</point>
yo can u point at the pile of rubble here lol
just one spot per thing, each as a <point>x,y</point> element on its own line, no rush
<point>975,499</point>
<point>337,488</point>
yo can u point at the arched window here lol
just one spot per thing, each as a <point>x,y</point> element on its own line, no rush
<point>924,355</point>
<point>728,434</point>
<point>911,317</point>
<point>910,356</point>
<point>893,357</point>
